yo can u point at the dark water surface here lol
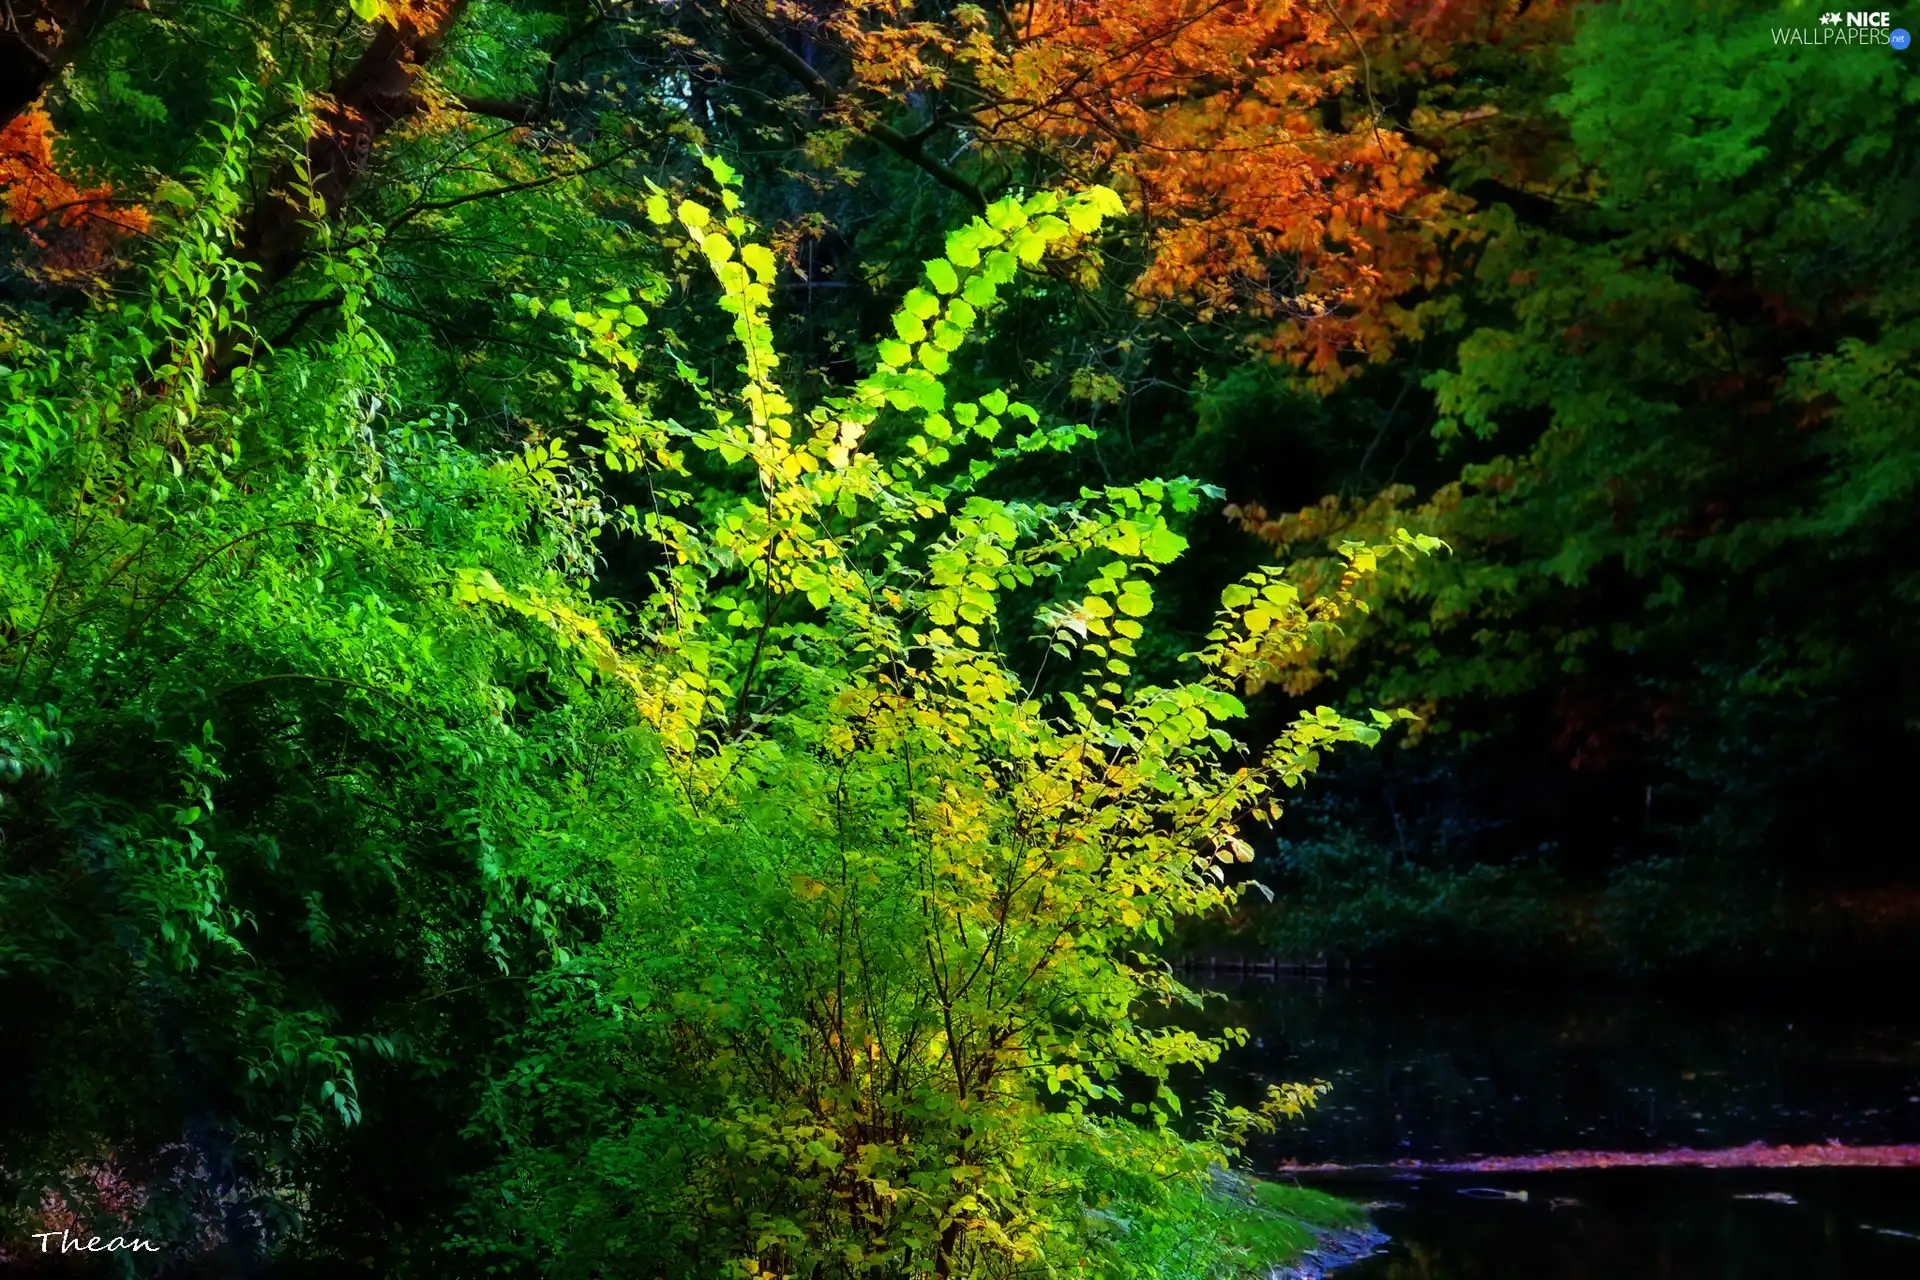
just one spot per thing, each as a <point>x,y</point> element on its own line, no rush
<point>1447,1074</point>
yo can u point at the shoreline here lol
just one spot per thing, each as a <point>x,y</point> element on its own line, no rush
<point>1337,1247</point>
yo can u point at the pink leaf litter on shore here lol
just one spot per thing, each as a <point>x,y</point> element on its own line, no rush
<point>1755,1155</point>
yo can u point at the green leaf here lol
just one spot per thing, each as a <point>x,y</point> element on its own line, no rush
<point>942,275</point>
<point>1006,214</point>
<point>909,327</point>
<point>980,292</point>
<point>1162,545</point>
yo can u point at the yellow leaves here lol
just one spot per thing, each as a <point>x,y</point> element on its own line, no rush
<point>760,259</point>
<point>1135,598</point>
<point>574,630</point>
<point>1270,631</point>
<point>693,215</point>
<point>911,328</point>
<point>941,275</point>
<point>988,841</point>
<point>1095,386</point>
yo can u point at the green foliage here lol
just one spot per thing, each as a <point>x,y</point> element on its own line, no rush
<point>1678,460</point>
<point>1347,899</point>
<point>770,922</point>
<point>874,984</point>
<point>276,802</point>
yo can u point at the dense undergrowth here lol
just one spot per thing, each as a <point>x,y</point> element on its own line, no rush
<point>462,920</point>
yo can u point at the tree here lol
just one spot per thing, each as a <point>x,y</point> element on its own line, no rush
<point>1255,139</point>
<point>899,913</point>
<point>1681,501</point>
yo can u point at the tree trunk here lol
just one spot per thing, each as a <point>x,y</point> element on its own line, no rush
<point>361,106</point>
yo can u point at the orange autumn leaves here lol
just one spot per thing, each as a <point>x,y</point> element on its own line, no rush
<point>78,233</point>
<point>77,230</point>
<point>1252,137</point>
<point>426,17</point>
<point>1257,194</point>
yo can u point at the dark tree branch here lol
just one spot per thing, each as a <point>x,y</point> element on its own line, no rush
<point>88,203</point>
<point>37,38</point>
<point>531,184</point>
<point>1534,208</point>
<point>830,97</point>
<point>440,323</point>
<point>308,310</point>
<point>553,62</point>
<point>501,109</point>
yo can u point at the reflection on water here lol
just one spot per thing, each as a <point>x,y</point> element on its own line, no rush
<point>1436,1074</point>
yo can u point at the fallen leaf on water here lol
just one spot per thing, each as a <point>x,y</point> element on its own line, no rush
<point>1889,1231</point>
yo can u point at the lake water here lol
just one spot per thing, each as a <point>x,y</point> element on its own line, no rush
<point>1449,1074</point>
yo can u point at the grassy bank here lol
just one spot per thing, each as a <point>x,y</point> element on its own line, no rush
<point>1237,1227</point>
